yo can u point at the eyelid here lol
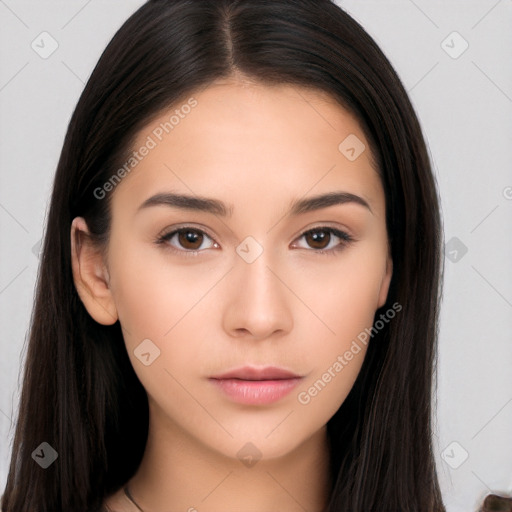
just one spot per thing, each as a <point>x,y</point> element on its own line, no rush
<point>185,225</point>
<point>328,225</point>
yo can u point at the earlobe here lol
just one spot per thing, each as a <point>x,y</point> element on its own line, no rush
<point>384,288</point>
<point>90,275</point>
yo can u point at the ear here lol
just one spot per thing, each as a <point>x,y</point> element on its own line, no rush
<point>90,275</point>
<point>386,280</point>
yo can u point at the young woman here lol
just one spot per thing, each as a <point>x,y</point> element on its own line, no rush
<point>238,297</point>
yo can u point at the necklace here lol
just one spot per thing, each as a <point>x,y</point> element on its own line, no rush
<point>130,497</point>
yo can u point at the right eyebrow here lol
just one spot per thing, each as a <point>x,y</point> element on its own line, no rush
<point>186,202</point>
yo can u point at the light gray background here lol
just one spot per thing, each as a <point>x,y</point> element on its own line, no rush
<point>465,107</point>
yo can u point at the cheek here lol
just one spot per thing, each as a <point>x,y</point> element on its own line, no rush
<point>166,303</point>
<point>345,298</point>
<point>156,302</point>
<point>347,307</point>
<point>328,386</point>
<point>151,292</point>
<point>343,291</point>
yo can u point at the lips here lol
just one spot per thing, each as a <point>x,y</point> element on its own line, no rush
<point>256,386</point>
<point>251,373</point>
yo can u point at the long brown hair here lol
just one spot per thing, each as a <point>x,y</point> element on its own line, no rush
<point>80,393</point>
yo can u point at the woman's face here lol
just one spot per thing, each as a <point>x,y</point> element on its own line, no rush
<point>261,277</point>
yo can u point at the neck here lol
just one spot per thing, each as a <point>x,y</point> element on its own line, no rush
<point>180,473</point>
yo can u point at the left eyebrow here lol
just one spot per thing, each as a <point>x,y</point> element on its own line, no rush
<point>325,200</point>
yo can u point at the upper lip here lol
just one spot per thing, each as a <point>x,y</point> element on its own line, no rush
<point>252,373</point>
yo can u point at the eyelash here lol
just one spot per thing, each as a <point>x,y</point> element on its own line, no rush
<point>346,239</point>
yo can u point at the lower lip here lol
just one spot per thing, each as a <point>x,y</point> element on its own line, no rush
<point>256,392</point>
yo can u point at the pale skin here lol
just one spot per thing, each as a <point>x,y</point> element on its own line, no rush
<point>256,148</point>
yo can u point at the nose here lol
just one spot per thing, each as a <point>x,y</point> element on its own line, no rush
<point>258,305</point>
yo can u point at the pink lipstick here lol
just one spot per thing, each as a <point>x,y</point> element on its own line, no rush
<point>250,385</point>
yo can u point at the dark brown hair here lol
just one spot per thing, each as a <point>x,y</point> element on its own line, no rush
<point>80,393</point>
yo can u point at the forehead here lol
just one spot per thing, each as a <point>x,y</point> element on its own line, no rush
<point>240,138</point>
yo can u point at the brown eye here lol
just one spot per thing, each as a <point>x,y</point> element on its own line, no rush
<point>318,239</point>
<point>325,240</point>
<point>187,241</point>
<point>190,239</point>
